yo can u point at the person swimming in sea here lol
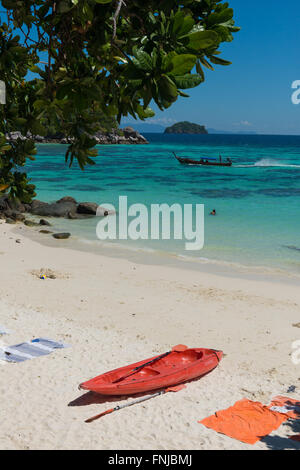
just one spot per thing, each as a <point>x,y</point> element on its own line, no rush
<point>213,212</point>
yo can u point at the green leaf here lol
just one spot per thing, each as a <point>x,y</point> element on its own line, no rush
<point>199,70</point>
<point>144,113</point>
<point>181,64</point>
<point>219,61</point>
<point>202,39</point>
<point>206,63</point>
<point>142,60</point>
<point>167,89</point>
<point>218,18</point>
<point>181,93</point>
<point>188,80</point>
<point>183,23</point>
<point>223,33</point>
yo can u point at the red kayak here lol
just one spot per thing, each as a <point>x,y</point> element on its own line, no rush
<point>158,372</point>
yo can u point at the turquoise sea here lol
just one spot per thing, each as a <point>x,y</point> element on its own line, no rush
<point>257,200</point>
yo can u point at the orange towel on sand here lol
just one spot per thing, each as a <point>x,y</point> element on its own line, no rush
<point>246,420</point>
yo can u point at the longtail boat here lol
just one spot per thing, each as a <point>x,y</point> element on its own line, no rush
<point>171,368</point>
<point>204,161</point>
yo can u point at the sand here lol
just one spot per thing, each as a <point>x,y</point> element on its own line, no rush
<point>113,312</point>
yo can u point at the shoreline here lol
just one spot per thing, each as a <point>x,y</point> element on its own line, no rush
<point>116,136</point>
<point>113,312</point>
<point>152,257</point>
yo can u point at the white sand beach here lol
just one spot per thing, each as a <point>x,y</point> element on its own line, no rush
<point>113,312</point>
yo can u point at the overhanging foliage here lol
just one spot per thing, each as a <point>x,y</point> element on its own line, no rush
<point>102,56</point>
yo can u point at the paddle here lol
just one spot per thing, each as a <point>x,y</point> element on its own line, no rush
<point>134,402</point>
<point>178,348</point>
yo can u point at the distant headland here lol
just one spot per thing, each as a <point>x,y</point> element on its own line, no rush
<point>185,127</point>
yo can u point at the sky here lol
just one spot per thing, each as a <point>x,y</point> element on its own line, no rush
<point>254,93</point>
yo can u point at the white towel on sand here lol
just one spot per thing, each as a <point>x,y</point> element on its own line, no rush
<point>35,348</point>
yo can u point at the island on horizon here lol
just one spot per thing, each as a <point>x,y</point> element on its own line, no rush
<point>186,127</point>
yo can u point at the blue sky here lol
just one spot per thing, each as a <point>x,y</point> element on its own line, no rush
<point>254,93</point>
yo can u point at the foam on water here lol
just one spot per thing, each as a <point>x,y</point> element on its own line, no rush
<point>268,162</point>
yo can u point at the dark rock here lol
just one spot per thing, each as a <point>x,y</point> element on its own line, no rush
<point>67,199</point>
<point>8,204</point>
<point>129,132</point>
<point>21,208</point>
<point>8,213</point>
<point>76,216</point>
<point>87,208</point>
<point>61,236</point>
<point>18,216</point>
<point>45,222</point>
<point>66,207</point>
<point>143,139</point>
<point>56,209</point>
<point>133,136</point>
<point>36,205</point>
<point>10,221</point>
<point>101,137</point>
<point>15,215</point>
<point>13,136</point>
<point>73,215</point>
<point>3,204</point>
<point>45,231</point>
<point>18,240</point>
<point>30,223</point>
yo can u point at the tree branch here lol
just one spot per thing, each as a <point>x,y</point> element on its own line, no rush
<point>116,16</point>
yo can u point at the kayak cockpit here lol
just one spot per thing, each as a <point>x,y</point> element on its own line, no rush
<point>157,372</point>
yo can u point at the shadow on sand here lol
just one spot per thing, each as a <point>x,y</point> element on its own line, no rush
<point>92,398</point>
<point>284,443</point>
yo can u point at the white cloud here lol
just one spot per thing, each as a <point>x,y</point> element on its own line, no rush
<point>162,121</point>
<point>243,124</point>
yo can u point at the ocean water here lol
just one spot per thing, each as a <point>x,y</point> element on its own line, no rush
<point>257,200</point>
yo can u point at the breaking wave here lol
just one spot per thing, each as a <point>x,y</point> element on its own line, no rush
<point>269,162</point>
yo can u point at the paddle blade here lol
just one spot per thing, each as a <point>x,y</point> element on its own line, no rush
<point>107,412</point>
<point>176,388</point>
<point>179,348</point>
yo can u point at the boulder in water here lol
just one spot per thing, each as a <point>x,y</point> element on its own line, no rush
<point>87,208</point>
<point>30,223</point>
<point>55,209</point>
<point>61,236</point>
<point>44,222</point>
